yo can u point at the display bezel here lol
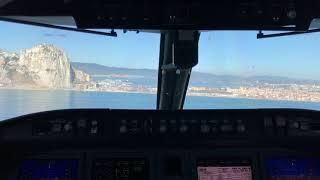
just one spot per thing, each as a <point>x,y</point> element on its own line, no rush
<point>48,160</point>
<point>54,156</point>
<point>284,155</point>
<point>218,163</point>
<point>94,155</point>
<point>227,155</point>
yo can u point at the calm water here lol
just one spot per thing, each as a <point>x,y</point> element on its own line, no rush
<point>19,102</point>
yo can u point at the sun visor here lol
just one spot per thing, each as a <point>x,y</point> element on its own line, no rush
<point>52,20</point>
<point>315,24</point>
<point>4,2</point>
<point>166,14</point>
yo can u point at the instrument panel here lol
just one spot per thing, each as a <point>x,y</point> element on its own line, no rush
<point>100,144</point>
<point>202,125</point>
<point>173,164</point>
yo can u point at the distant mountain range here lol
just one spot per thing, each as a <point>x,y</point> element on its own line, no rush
<point>97,69</point>
<point>197,78</point>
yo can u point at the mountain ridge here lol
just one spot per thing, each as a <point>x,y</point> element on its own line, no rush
<point>42,66</point>
<point>197,78</point>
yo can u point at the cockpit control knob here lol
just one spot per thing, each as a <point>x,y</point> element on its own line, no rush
<point>163,128</point>
<point>205,128</point>
<point>123,129</point>
<point>183,128</point>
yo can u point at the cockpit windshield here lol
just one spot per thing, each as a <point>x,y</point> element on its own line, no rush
<point>45,69</point>
<point>237,70</point>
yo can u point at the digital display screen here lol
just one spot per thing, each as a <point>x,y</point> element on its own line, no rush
<point>292,169</point>
<point>224,170</point>
<point>121,169</point>
<point>49,170</point>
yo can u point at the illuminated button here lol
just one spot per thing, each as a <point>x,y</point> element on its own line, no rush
<point>94,122</point>
<point>163,121</point>
<point>304,126</point>
<point>214,129</point>
<point>281,121</point>
<point>56,127</point>
<point>173,121</point>
<point>134,130</point>
<point>295,125</point>
<point>239,121</point>
<point>123,129</point>
<point>213,121</point>
<point>241,128</point>
<point>268,122</point>
<point>226,128</point>
<point>94,130</point>
<point>205,128</point>
<point>226,121</point>
<point>183,128</point>
<point>163,128</point>
<point>67,127</point>
<point>82,123</point>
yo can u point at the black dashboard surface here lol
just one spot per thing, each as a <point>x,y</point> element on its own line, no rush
<point>181,128</point>
<point>160,144</point>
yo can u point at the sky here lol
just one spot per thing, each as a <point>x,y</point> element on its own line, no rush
<point>220,52</point>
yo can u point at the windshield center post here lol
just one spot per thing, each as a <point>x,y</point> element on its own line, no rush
<point>178,55</point>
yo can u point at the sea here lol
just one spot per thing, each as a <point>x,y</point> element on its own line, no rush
<point>20,102</point>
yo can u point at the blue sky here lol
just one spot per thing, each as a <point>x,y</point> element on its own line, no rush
<point>220,52</point>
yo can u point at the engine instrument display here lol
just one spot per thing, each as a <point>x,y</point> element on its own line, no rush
<point>293,169</point>
<point>224,170</point>
<point>41,169</point>
<point>121,169</point>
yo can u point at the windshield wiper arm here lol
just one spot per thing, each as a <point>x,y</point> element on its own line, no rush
<point>260,35</point>
<point>111,33</point>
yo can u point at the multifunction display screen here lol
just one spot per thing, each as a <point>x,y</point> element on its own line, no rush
<point>49,170</point>
<point>292,169</point>
<point>121,169</point>
<point>224,170</point>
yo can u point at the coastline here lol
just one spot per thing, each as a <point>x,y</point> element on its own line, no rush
<point>191,94</point>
